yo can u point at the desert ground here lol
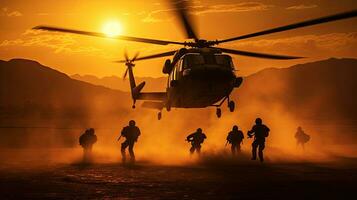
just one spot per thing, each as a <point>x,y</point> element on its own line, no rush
<point>218,176</point>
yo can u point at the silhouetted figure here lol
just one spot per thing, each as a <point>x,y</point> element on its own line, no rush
<point>196,140</point>
<point>301,137</point>
<point>131,134</point>
<point>235,138</point>
<point>86,140</point>
<point>260,132</point>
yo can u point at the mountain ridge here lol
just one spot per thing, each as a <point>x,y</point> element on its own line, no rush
<point>311,90</point>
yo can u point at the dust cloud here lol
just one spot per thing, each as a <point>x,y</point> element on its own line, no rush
<point>163,142</point>
<point>55,139</point>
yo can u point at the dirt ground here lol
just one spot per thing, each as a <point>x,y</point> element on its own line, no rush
<point>208,178</point>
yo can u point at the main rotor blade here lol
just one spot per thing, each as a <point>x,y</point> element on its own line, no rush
<point>258,55</point>
<point>135,56</point>
<point>311,22</point>
<point>181,8</point>
<point>126,55</point>
<point>96,34</point>
<point>159,55</point>
<point>125,74</point>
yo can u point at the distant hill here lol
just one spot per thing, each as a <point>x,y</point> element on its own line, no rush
<point>28,87</point>
<point>325,89</point>
<point>114,82</point>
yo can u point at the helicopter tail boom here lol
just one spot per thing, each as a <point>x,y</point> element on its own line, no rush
<point>153,96</point>
<point>153,105</point>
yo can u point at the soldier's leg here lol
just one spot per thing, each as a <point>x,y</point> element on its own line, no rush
<point>192,149</point>
<point>84,154</point>
<point>131,151</point>
<point>239,147</point>
<point>89,153</point>
<point>254,150</point>
<point>233,149</point>
<point>124,145</point>
<point>198,149</point>
<point>261,148</point>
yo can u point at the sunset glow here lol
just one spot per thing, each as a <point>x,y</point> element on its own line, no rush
<point>112,28</point>
<point>214,20</point>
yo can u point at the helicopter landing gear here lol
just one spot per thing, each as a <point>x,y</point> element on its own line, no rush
<point>231,106</point>
<point>133,106</point>
<point>159,115</point>
<point>219,112</point>
<point>168,107</point>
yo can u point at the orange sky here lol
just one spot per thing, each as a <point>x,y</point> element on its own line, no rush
<point>151,18</point>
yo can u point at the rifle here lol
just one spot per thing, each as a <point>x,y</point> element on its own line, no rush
<point>226,144</point>
<point>249,134</point>
<point>119,137</point>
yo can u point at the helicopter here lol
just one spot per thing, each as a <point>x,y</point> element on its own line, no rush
<point>199,75</point>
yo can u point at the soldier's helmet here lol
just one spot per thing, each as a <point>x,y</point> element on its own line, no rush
<point>235,128</point>
<point>91,130</point>
<point>299,128</point>
<point>131,123</point>
<point>199,130</point>
<point>258,121</point>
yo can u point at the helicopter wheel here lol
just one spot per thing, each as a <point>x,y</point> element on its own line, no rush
<point>231,106</point>
<point>133,107</point>
<point>219,112</point>
<point>159,115</point>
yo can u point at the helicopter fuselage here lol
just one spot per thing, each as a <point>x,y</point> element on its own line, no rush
<point>199,88</point>
<point>200,80</point>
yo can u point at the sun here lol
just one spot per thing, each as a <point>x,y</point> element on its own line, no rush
<point>112,28</point>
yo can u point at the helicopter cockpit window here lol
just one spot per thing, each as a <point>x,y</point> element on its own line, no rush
<point>224,60</point>
<point>191,60</point>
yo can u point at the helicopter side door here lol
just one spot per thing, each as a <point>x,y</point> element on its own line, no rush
<point>175,74</point>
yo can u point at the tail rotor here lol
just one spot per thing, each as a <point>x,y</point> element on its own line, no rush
<point>129,63</point>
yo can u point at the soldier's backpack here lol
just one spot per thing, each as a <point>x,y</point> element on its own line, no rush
<point>81,139</point>
<point>266,131</point>
<point>305,138</point>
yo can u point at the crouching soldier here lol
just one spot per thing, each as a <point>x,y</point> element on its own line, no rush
<point>196,140</point>
<point>235,138</point>
<point>301,137</point>
<point>86,140</point>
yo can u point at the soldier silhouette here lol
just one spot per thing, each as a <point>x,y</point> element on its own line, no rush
<point>235,138</point>
<point>301,137</point>
<point>260,132</point>
<point>131,134</point>
<point>86,140</point>
<point>196,140</point>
